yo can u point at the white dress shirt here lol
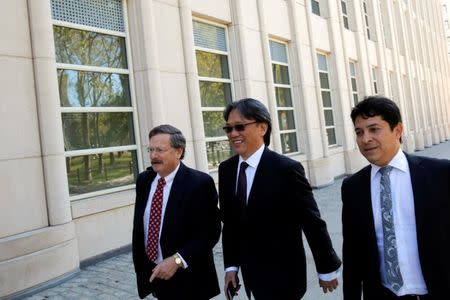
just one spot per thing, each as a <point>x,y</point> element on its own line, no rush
<point>253,162</point>
<point>166,192</point>
<point>404,223</point>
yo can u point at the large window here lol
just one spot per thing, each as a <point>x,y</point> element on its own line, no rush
<point>352,67</point>
<point>95,98</point>
<point>327,102</point>
<point>344,13</point>
<point>315,7</point>
<point>285,108</point>
<point>212,56</point>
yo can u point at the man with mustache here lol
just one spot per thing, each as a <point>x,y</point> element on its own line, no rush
<point>266,204</point>
<point>395,214</point>
<point>176,224</point>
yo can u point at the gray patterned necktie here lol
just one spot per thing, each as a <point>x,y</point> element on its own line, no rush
<point>393,274</point>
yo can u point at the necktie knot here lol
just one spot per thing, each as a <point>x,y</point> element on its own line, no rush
<point>386,170</point>
<point>161,182</point>
<point>243,166</point>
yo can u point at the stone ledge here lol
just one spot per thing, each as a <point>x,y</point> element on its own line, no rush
<point>28,242</point>
<point>32,269</point>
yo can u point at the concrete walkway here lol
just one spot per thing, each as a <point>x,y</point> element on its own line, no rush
<point>114,278</point>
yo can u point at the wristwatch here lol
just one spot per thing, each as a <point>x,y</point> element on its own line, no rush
<point>178,260</point>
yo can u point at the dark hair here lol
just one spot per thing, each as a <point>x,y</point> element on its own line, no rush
<point>253,110</point>
<point>381,106</point>
<point>177,139</point>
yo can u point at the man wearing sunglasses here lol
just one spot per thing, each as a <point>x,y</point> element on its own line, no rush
<point>266,203</point>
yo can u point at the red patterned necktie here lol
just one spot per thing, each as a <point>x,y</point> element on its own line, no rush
<point>155,221</point>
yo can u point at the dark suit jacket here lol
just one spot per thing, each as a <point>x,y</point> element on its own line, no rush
<point>267,242</point>
<point>191,227</point>
<point>430,180</point>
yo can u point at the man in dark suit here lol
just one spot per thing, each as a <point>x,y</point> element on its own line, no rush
<point>395,214</point>
<point>265,211</point>
<point>176,224</point>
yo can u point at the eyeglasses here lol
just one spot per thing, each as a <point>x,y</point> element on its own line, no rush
<point>156,150</point>
<point>237,127</point>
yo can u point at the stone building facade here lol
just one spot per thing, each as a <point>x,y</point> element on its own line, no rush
<point>83,82</point>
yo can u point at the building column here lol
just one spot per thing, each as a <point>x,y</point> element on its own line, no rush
<point>300,83</point>
<point>424,77</point>
<point>420,136</point>
<point>244,88</point>
<point>433,73</point>
<point>150,108</point>
<point>341,87</point>
<point>195,111</point>
<point>407,109</point>
<point>271,98</point>
<point>442,56</point>
<point>317,93</point>
<point>49,115</point>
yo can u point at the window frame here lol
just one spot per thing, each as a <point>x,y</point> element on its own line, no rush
<point>285,86</point>
<point>328,90</point>
<point>215,79</point>
<point>315,7</point>
<point>374,80</point>
<point>130,109</point>
<point>345,19</point>
<point>366,18</point>
<point>353,76</point>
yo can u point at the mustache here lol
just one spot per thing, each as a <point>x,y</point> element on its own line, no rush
<point>155,161</point>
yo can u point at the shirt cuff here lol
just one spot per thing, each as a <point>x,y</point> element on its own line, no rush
<point>330,276</point>
<point>232,269</point>
<point>184,264</point>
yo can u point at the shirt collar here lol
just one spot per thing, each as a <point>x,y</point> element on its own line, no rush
<point>253,160</point>
<point>399,162</point>
<point>169,178</point>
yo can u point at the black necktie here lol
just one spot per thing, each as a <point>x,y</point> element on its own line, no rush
<point>241,191</point>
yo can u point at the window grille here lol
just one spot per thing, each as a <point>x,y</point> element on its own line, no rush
<point>278,52</point>
<point>209,36</point>
<point>106,14</point>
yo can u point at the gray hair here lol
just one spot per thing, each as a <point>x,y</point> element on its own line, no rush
<point>177,139</point>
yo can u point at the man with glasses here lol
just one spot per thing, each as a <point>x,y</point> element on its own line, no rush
<point>266,203</point>
<point>176,224</point>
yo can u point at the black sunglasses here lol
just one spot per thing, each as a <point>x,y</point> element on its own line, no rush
<point>237,127</point>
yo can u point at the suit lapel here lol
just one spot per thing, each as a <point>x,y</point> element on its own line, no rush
<point>418,182</point>
<point>366,202</point>
<point>418,179</point>
<point>260,177</point>
<point>146,191</point>
<point>231,177</point>
<point>176,194</point>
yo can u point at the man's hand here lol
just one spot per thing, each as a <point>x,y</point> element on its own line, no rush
<point>230,278</point>
<point>165,269</point>
<point>328,285</point>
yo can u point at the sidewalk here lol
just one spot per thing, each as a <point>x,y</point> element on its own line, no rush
<point>114,278</point>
